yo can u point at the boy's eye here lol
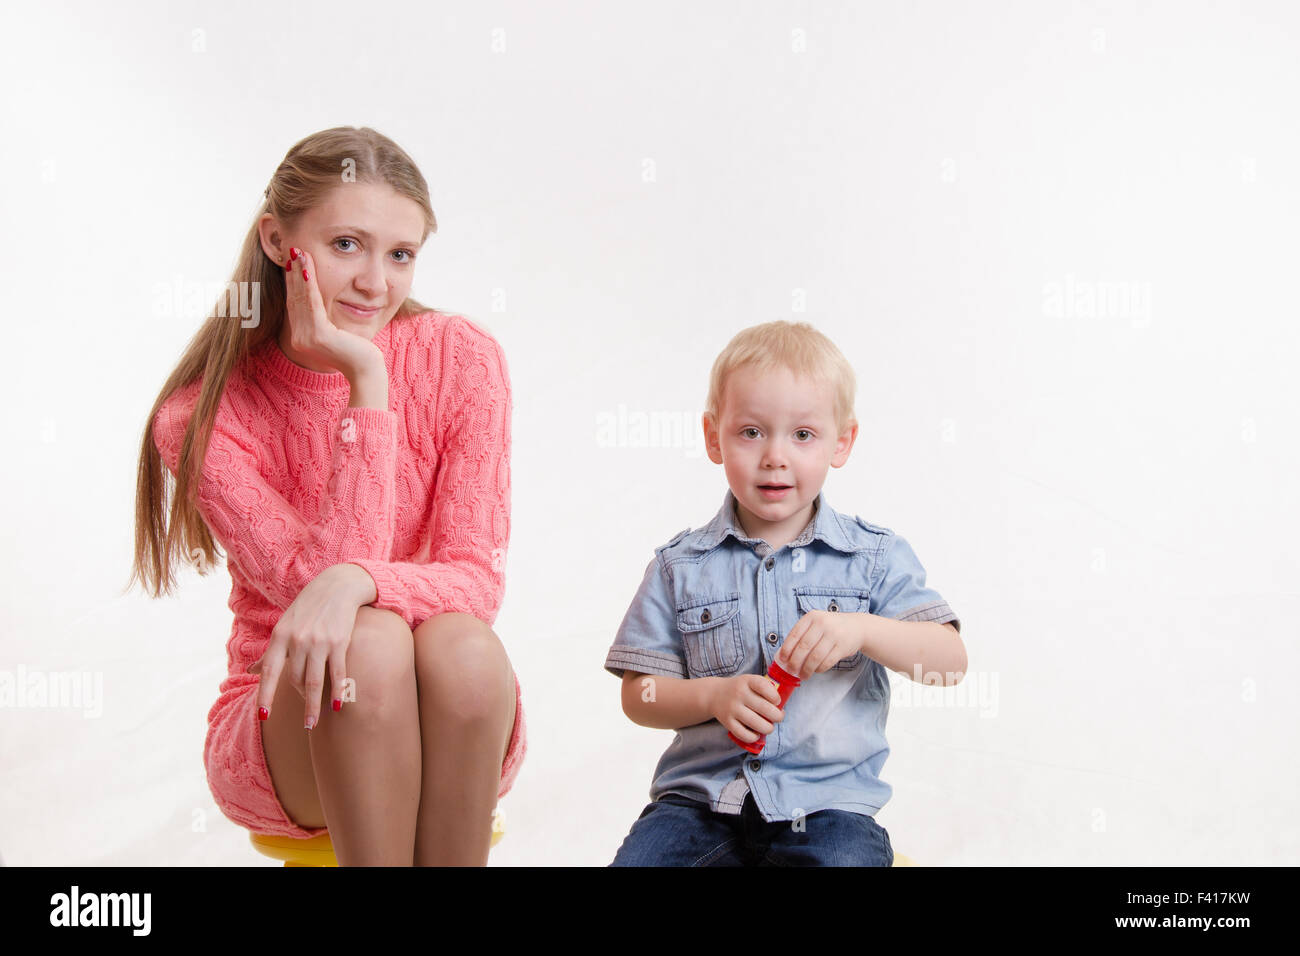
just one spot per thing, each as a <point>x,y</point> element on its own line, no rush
<point>799,431</point>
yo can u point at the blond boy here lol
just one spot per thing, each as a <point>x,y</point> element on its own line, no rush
<point>777,575</point>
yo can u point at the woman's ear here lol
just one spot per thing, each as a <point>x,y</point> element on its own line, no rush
<point>272,238</point>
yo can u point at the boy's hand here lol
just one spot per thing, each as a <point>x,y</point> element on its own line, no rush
<point>818,641</point>
<point>747,705</point>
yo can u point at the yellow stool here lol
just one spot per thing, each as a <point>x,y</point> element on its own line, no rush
<point>900,860</point>
<point>319,851</point>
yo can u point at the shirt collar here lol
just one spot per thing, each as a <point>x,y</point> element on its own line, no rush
<point>825,524</point>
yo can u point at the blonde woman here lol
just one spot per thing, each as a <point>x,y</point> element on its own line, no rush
<point>349,450</point>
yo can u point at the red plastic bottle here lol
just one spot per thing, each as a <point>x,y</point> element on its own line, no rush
<point>785,685</point>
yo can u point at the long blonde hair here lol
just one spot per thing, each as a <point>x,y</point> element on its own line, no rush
<point>306,175</point>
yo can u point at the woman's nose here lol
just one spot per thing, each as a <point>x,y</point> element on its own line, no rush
<point>372,280</point>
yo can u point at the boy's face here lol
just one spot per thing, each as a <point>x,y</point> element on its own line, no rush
<point>776,429</point>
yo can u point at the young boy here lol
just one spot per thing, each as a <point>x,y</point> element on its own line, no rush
<point>776,575</point>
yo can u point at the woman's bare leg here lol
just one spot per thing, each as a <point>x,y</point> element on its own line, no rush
<point>467,714</point>
<point>359,768</point>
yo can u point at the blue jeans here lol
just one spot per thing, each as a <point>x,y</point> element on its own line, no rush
<point>678,831</point>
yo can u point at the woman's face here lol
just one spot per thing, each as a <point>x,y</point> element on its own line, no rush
<point>363,239</point>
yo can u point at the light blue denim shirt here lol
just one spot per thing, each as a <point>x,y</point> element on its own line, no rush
<point>714,602</point>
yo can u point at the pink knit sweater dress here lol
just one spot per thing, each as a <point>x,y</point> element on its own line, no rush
<point>295,481</point>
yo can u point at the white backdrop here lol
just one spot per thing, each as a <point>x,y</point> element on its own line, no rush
<point>1057,242</point>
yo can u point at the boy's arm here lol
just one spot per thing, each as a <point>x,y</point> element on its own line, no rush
<point>667,703</point>
<point>647,656</point>
<point>910,628</point>
<point>927,652</point>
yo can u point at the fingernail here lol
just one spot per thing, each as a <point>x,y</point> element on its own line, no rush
<point>305,275</point>
<point>293,253</point>
<point>288,265</point>
<point>311,722</point>
<point>338,704</point>
<point>263,713</point>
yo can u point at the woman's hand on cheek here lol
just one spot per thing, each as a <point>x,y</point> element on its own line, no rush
<point>312,334</point>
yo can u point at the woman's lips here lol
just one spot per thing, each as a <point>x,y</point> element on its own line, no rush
<point>358,311</point>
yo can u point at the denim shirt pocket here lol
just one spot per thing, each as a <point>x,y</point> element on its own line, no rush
<point>834,600</point>
<point>711,635</point>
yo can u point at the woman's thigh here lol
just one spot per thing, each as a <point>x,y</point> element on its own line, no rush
<point>379,638</point>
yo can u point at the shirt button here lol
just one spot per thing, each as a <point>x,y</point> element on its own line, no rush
<point>833,607</point>
<point>771,638</point>
<point>704,618</point>
<point>756,765</point>
<point>770,563</point>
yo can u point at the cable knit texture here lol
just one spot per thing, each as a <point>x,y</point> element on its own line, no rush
<point>295,481</point>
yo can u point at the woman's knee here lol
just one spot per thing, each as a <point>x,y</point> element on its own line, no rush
<point>464,665</point>
<point>380,663</point>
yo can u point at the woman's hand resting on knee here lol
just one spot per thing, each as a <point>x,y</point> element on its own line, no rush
<point>314,632</point>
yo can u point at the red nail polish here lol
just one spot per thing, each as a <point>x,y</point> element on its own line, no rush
<point>263,713</point>
<point>338,704</point>
<point>293,253</point>
<point>305,275</point>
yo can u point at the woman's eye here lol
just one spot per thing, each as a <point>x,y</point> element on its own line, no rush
<point>409,256</point>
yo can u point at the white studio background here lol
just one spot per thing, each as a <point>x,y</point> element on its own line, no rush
<point>1057,241</point>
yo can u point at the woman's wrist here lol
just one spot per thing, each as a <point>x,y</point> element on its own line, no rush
<point>369,388</point>
<point>358,582</point>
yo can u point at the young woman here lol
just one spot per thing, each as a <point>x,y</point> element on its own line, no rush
<point>349,449</point>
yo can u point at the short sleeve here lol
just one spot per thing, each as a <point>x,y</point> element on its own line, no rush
<point>647,641</point>
<point>899,591</point>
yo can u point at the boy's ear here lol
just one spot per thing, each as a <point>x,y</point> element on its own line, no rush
<point>711,439</point>
<point>844,445</point>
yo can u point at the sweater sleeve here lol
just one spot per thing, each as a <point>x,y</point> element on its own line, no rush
<point>470,529</point>
<point>278,549</point>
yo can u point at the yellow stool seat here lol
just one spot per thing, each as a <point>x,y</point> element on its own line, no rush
<point>319,851</point>
<point>900,860</point>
